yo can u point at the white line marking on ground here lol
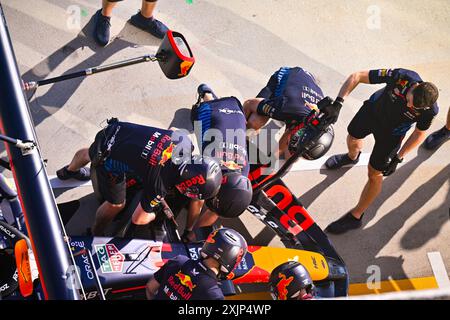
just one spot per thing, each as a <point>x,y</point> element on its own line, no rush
<point>439,271</point>
<point>71,183</point>
<point>301,165</point>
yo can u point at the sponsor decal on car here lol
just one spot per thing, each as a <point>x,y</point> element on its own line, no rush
<point>110,258</point>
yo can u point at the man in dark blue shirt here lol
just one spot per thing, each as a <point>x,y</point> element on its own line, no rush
<point>388,115</point>
<point>289,96</point>
<point>186,279</point>
<point>160,158</point>
<point>220,127</point>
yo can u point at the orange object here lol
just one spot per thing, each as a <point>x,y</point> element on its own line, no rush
<point>23,268</point>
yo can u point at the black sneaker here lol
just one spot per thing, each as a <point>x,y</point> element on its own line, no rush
<point>437,138</point>
<point>344,224</point>
<point>339,160</point>
<point>204,89</point>
<point>151,25</point>
<point>102,28</point>
<point>84,174</point>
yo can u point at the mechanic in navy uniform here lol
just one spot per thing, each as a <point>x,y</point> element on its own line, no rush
<point>289,96</point>
<point>291,281</point>
<point>388,115</point>
<point>186,279</point>
<point>223,121</point>
<point>161,158</point>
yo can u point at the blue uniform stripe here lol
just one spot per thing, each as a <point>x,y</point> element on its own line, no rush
<point>116,167</point>
<point>204,115</point>
<point>283,75</point>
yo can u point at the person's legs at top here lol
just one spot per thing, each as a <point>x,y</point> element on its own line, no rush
<point>147,8</point>
<point>146,21</point>
<point>102,20</point>
<point>108,6</point>
<point>437,138</point>
<point>76,169</point>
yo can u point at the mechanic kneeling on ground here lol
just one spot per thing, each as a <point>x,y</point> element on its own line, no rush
<point>185,279</point>
<point>388,115</point>
<point>217,118</point>
<point>153,154</point>
<point>289,96</point>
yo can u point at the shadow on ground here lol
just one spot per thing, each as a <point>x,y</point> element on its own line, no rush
<point>369,242</point>
<point>43,106</point>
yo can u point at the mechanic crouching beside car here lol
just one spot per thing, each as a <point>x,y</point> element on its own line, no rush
<point>150,153</point>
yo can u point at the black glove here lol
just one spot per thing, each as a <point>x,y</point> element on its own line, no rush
<point>392,166</point>
<point>331,111</point>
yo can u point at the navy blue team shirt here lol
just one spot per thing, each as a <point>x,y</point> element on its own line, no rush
<point>145,151</point>
<point>287,92</point>
<point>390,102</point>
<point>184,279</point>
<point>224,114</point>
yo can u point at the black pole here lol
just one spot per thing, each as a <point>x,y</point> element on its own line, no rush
<point>33,84</point>
<point>42,218</point>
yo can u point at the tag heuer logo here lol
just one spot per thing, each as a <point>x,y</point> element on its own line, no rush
<point>110,258</point>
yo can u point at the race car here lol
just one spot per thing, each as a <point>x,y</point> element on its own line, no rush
<point>48,263</point>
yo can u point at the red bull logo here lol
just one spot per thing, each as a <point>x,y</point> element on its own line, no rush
<point>211,236</point>
<point>166,154</point>
<point>185,280</point>
<point>197,180</point>
<point>185,66</point>
<point>282,286</point>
